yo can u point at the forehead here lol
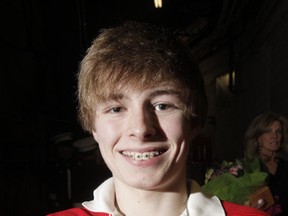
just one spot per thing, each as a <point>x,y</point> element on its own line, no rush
<point>275,124</point>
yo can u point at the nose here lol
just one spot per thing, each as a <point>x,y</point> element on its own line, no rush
<point>141,125</point>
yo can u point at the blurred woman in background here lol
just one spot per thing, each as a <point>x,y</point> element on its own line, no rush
<point>266,138</point>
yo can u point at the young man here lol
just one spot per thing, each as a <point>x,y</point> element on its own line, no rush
<point>143,99</point>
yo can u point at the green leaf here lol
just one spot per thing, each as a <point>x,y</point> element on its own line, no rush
<point>237,189</point>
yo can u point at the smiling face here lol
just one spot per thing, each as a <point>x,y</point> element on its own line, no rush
<point>144,136</point>
<point>270,141</point>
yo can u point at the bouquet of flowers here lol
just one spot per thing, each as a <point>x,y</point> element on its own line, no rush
<point>234,181</point>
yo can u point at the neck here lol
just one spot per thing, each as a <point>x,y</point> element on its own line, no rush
<point>268,156</point>
<point>133,201</point>
<point>270,160</point>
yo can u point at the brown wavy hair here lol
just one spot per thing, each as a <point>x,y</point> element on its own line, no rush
<point>137,55</point>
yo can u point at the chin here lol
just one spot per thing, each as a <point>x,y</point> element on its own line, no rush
<point>145,182</point>
<point>275,149</point>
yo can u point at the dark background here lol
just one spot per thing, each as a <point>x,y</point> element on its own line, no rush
<point>42,43</point>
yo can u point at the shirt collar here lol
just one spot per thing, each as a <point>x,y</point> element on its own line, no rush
<point>197,204</point>
<point>200,204</point>
<point>104,197</point>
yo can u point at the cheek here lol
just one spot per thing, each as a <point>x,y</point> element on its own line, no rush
<point>105,133</point>
<point>107,139</point>
<point>260,141</point>
<point>177,129</point>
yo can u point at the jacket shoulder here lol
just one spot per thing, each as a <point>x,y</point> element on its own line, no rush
<point>232,209</point>
<point>78,212</point>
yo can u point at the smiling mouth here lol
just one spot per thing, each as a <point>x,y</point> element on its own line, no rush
<point>141,156</point>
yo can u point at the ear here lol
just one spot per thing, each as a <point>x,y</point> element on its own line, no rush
<point>95,135</point>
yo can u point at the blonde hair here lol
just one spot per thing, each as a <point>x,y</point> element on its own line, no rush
<point>137,55</point>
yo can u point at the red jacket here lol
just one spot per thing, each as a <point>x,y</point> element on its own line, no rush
<point>231,209</point>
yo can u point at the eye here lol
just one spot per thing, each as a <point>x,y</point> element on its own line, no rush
<point>162,107</point>
<point>272,132</point>
<point>115,110</point>
<point>269,132</point>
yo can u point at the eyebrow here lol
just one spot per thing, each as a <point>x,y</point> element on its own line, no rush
<point>156,93</point>
<point>161,92</point>
<point>114,96</point>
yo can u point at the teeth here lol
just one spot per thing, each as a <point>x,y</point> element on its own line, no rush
<point>141,156</point>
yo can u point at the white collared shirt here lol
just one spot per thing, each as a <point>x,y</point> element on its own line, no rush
<point>198,203</point>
